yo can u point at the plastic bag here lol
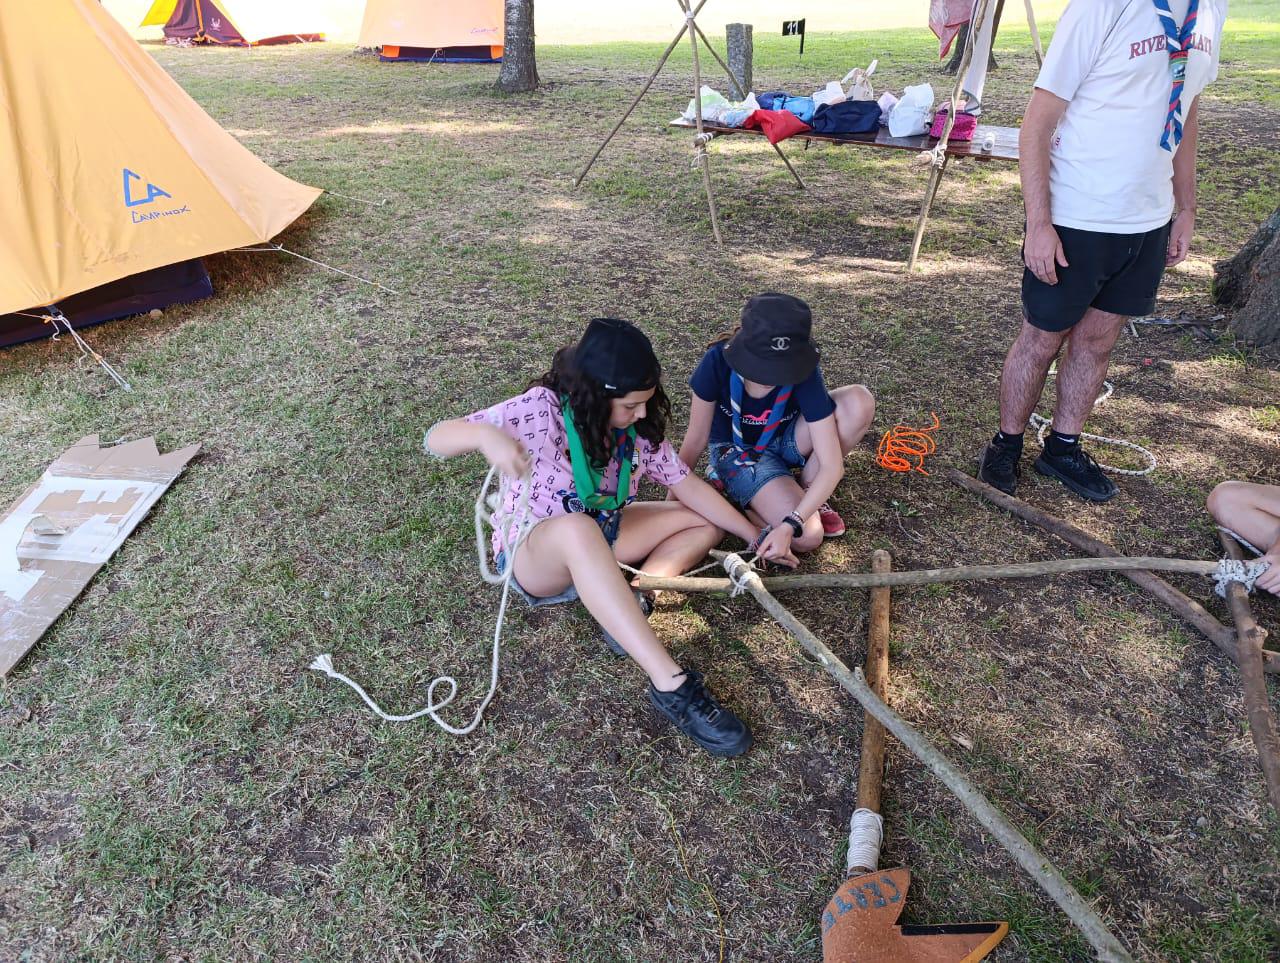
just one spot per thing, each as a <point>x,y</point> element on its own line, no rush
<point>913,113</point>
<point>832,93</point>
<point>859,82</point>
<point>710,98</point>
<point>887,102</point>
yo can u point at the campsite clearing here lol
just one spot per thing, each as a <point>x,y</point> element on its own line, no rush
<point>177,782</point>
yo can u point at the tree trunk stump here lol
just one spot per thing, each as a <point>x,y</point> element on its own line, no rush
<point>1249,286</point>
<point>738,40</point>
<point>519,72</point>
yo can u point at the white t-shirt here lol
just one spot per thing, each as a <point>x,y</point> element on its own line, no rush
<point>1108,60</point>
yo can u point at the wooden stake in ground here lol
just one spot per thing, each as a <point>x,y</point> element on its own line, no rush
<point>860,920</point>
<point>1257,703</point>
<point>1187,608</point>
<point>1005,833</point>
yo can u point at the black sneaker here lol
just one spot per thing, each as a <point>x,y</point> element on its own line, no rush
<point>646,606</point>
<point>697,714</point>
<point>999,466</point>
<point>1079,472</point>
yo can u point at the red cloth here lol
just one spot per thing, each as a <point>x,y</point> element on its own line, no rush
<point>776,124</point>
<point>962,129</point>
<point>946,19</point>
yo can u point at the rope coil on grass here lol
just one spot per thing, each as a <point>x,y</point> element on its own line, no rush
<point>903,448</point>
<point>1042,424</point>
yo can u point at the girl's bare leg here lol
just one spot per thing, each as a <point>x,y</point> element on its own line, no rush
<point>667,537</point>
<point>571,549</point>
<point>855,409</point>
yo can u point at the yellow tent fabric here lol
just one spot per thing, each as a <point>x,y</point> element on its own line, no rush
<point>432,23</point>
<point>257,19</point>
<point>110,168</point>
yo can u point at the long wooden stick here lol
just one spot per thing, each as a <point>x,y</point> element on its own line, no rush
<point>640,96</point>
<point>1257,702</point>
<point>701,156</point>
<point>854,682</point>
<point>1035,34</point>
<point>931,576</point>
<point>1187,608</point>
<point>871,761</point>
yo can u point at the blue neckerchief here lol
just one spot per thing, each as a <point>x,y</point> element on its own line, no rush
<point>1177,42</point>
<point>771,422</point>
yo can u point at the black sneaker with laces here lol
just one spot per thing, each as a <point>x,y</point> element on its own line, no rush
<point>646,606</point>
<point>1078,471</point>
<point>696,713</point>
<point>999,466</point>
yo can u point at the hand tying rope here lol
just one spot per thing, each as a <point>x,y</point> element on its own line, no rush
<point>1233,570</point>
<point>904,448</point>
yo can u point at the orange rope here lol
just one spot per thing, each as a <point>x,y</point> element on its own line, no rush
<point>902,443</point>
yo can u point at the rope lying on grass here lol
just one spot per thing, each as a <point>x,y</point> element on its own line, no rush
<point>1041,424</point>
<point>903,448</point>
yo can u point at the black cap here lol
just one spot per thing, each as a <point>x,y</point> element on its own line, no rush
<point>618,355</point>
<point>773,346</point>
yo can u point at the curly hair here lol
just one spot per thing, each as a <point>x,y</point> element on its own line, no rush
<point>589,400</point>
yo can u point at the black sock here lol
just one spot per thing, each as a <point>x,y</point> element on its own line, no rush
<point>1060,444</point>
<point>1006,440</point>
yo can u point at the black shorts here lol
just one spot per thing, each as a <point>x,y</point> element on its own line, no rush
<point>1117,273</point>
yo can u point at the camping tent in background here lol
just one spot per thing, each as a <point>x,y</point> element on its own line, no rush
<point>113,172</point>
<point>237,23</point>
<point>461,31</point>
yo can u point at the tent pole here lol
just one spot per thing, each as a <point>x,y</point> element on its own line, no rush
<point>640,96</point>
<point>935,177</point>
<point>742,94</point>
<point>1035,34</point>
<point>700,141</point>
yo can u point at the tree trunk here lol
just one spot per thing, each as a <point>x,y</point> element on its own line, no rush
<point>1249,285</point>
<point>962,41</point>
<point>519,72</point>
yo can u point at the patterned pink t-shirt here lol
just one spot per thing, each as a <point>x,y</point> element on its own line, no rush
<point>534,418</point>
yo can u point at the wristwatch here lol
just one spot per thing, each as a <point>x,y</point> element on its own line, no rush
<point>796,523</point>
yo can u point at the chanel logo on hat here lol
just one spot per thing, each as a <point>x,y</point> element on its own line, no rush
<point>781,344</point>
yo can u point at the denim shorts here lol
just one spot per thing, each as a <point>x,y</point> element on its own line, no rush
<point>743,483</point>
<point>609,525</point>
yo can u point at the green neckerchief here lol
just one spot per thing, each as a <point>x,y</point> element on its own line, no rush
<point>585,477</point>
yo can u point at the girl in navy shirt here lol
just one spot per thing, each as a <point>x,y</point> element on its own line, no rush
<point>762,410</point>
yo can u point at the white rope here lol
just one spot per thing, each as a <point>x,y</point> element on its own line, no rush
<point>271,246</point>
<point>866,833</point>
<point>55,317</point>
<point>1234,570</point>
<point>1041,424</point>
<point>515,527</point>
<point>1242,540</point>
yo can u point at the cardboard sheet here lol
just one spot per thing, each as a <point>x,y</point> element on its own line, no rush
<point>57,535</point>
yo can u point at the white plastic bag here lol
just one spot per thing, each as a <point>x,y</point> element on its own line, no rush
<point>887,102</point>
<point>914,112</point>
<point>832,93</point>
<point>710,99</point>
<point>859,82</point>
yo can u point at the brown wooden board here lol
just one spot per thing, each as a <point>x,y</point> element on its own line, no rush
<point>1005,148</point>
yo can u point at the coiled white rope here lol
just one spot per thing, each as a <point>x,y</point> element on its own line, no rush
<point>866,833</point>
<point>515,528</point>
<point>1233,570</point>
<point>1041,424</point>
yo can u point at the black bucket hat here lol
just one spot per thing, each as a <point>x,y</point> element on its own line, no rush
<point>773,346</point>
<point>618,355</point>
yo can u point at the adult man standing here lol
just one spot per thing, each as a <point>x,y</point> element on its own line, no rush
<point>1108,158</point>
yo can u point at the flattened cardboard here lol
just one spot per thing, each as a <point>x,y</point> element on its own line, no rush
<point>59,532</point>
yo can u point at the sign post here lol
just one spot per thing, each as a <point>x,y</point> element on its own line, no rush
<point>794,28</point>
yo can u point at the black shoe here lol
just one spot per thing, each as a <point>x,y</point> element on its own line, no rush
<point>697,714</point>
<point>646,606</point>
<point>1079,472</point>
<point>999,466</point>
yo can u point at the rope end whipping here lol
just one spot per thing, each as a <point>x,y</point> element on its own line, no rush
<point>322,663</point>
<point>866,833</point>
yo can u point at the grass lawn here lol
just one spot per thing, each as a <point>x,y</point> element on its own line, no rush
<point>177,785</point>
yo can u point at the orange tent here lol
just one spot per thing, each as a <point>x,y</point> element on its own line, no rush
<point>239,23</point>
<point>111,170</point>
<point>434,30</point>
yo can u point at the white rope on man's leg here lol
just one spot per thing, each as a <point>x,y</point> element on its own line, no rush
<point>515,528</point>
<point>1042,424</point>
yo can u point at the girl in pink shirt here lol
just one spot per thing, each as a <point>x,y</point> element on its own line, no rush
<point>579,440</point>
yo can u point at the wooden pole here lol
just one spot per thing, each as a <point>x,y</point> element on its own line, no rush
<point>1035,34</point>
<point>854,682</point>
<point>871,763</point>
<point>1257,703</point>
<point>742,94</point>
<point>1189,609</point>
<point>931,576</point>
<point>640,96</point>
<point>701,157</point>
